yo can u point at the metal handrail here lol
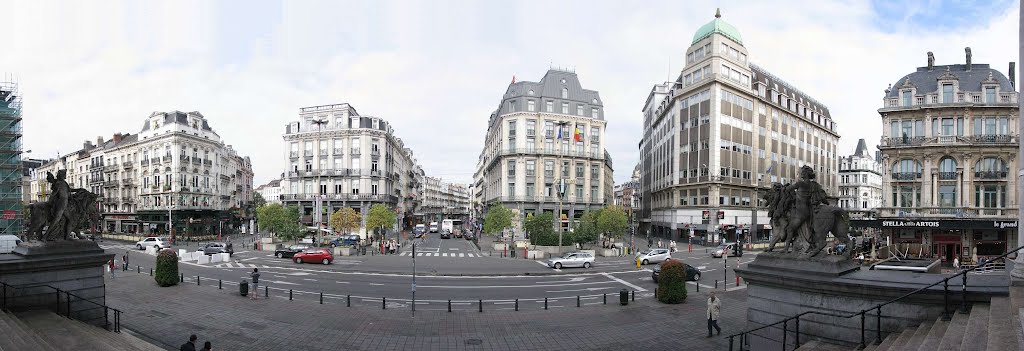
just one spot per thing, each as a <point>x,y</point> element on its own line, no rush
<point>115,326</point>
<point>876,308</point>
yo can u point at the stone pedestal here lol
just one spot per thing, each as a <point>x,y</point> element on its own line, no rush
<point>36,268</point>
<point>779,287</point>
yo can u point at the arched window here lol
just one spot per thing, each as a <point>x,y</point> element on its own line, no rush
<point>906,170</point>
<point>947,168</point>
<point>990,168</point>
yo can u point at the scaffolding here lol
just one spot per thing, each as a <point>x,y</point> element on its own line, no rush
<point>12,214</point>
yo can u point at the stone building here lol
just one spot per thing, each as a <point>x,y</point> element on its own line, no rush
<point>719,135</point>
<point>337,158</point>
<point>271,192</point>
<point>176,167</point>
<point>860,182</point>
<point>546,136</point>
<point>949,145</point>
<point>444,200</point>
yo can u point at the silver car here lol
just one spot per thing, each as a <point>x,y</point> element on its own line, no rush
<point>572,259</point>
<point>158,242</point>
<point>654,256</point>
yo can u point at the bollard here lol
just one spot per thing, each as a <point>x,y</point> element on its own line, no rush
<point>321,298</point>
<point>150,272</point>
<point>604,297</point>
<point>138,269</point>
<point>220,284</point>
<point>449,305</point>
<point>266,291</point>
<point>655,292</point>
<point>545,303</point>
<point>577,301</point>
<point>634,296</point>
<point>197,280</point>
<point>517,304</point>
<point>481,305</point>
<point>737,280</point>
<point>383,303</point>
<point>182,278</point>
<point>716,283</point>
<point>697,283</point>
<point>348,300</point>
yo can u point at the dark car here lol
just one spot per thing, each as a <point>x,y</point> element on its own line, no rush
<point>692,274</point>
<point>216,248</point>
<point>446,234</point>
<point>290,251</point>
<point>468,236</point>
<point>345,240</point>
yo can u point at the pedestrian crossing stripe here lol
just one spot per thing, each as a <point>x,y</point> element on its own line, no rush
<point>239,265</point>
<point>442,254</point>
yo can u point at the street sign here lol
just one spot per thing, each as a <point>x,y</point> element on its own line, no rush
<point>9,214</point>
<point>721,214</point>
<point>706,215</point>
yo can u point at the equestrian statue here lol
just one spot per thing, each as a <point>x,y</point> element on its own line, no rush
<point>804,215</point>
<point>64,212</point>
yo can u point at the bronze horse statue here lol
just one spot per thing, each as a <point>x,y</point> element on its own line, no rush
<point>802,210</point>
<point>62,213</point>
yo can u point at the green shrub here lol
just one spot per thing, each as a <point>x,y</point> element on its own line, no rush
<point>166,268</point>
<point>672,282</point>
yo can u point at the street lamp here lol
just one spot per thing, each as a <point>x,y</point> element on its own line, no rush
<point>170,222</point>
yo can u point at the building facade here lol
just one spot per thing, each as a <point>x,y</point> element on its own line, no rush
<point>546,136</point>
<point>444,200</point>
<point>337,158</point>
<point>860,182</point>
<point>627,195</point>
<point>176,168</point>
<point>719,135</point>
<point>949,145</point>
<point>11,179</point>
<point>271,192</point>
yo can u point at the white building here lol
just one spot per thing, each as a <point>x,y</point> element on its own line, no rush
<point>337,158</point>
<point>544,136</point>
<point>176,162</point>
<point>860,182</point>
<point>271,192</point>
<point>444,200</point>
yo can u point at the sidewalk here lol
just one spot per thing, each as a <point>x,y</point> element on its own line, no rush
<point>232,322</point>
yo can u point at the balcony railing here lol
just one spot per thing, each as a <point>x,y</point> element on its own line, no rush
<point>184,159</point>
<point>110,168</point>
<point>338,151</point>
<point>906,176</point>
<point>947,175</point>
<point>197,161</point>
<point>351,197</point>
<point>110,184</point>
<point>144,162</point>
<point>167,159</point>
<point>354,152</point>
<point>293,154</point>
<point>946,212</point>
<point>128,165</point>
<point>992,139</point>
<point>990,174</point>
<point>903,141</point>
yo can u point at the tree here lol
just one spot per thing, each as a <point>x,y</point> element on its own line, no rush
<point>541,229</point>
<point>280,220</point>
<point>258,200</point>
<point>380,216</point>
<point>586,230</point>
<point>346,220</point>
<point>612,221</point>
<point>166,268</point>
<point>498,218</point>
<point>672,282</point>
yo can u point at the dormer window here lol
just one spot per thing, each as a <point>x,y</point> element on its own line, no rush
<point>907,98</point>
<point>565,92</point>
<point>990,95</point>
<point>947,93</point>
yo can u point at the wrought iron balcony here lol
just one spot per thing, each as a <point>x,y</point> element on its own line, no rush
<point>947,175</point>
<point>990,174</point>
<point>904,176</point>
<point>128,165</point>
<point>208,162</point>
<point>992,139</point>
<point>293,154</point>
<point>903,141</point>
<point>946,212</point>
<point>197,161</point>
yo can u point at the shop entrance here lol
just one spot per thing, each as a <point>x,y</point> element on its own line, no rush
<point>946,251</point>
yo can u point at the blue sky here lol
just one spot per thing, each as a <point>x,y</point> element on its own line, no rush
<point>437,69</point>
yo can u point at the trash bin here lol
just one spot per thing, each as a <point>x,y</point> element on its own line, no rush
<point>624,297</point>
<point>243,287</point>
<point>363,252</point>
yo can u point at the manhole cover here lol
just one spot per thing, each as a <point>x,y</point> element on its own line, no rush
<point>474,342</point>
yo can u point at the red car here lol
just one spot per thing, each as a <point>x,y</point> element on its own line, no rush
<point>315,254</point>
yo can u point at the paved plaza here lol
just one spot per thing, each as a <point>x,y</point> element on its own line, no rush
<point>166,316</point>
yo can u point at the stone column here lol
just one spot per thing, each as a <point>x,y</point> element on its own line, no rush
<point>1018,269</point>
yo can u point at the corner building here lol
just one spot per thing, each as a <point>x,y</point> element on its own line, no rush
<point>546,134</point>
<point>719,135</point>
<point>949,143</point>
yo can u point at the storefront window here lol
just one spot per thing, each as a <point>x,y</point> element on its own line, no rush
<point>947,196</point>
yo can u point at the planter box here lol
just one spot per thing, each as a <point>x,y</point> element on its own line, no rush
<point>535,255</point>
<point>344,251</point>
<point>609,252</point>
<point>499,246</point>
<point>553,250</point>
<point>591,252</point>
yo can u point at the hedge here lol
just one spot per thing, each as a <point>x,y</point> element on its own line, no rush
<point>672,282</point>
<point>166,268</point>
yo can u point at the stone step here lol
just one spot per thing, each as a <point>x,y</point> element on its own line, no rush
<point>976,334</point>
<point>954,334</point>
<point>12,339</point>
<point>815,345</point>
<point>903,339</point>
<point>886,344</point>
<point>934,337</point>
<point>1002,326</point>
<point>70,334</point>
<point>918,338</point>
<point>40,344</point>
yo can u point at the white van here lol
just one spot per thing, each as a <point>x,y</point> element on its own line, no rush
<point>8,243</point>
<point>433,227</point>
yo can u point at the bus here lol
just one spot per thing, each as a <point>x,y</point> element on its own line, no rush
<point>451,224</point>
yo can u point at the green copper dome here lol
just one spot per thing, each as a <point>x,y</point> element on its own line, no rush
<point>717,26</point>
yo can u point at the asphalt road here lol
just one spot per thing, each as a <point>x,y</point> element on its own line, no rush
<point>350,276</point>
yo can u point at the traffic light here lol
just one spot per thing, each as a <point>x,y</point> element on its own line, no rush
<point>737,249</point>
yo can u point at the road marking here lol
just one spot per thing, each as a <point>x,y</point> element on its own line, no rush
<point>309,279</point>
<point>280,282</point>
<point>519,286</point>
<point>462,254</point>
<point>453,249</point>
<point>571,280</point>
<point>341,282</point>
<point>609,276</point>
<point>571,290</point>
<point>376,284</point>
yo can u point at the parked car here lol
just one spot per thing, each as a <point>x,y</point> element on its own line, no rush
<point>724,249</point>
<point>572,259</point>
<point>314,255</point>
<point>468,236</point>
<point>654,256</point>
<point>346,240</point>
<point>446,234</point>
<point>434,227</point>
<point>216,248</point>
<point>8,243</point>
<point>158,242</point>
<point>692,274</point>
<point>290,251</point>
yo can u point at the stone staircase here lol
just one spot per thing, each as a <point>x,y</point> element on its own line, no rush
<point>44,330</point>
<point>993,327</point>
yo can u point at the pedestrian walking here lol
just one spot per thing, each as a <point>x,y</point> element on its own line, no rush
<point>255,275</point>
<point>650,242</point>
<point>956,264</point>
<point>207,346</point>
<point>659,244</point>
<point>190,345</point>
<point>672,245</point>
<point>714,308</point>
<point>110,267</point>
<point>125,257</point>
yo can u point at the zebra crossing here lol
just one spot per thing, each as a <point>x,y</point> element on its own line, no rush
<point>239,265</point>
<point>118,247</point>
<point>441,254</point>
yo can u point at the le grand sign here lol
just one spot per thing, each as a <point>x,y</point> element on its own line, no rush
<point>951,224</point>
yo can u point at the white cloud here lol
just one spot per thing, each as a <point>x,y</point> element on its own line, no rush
<point>436,70</point>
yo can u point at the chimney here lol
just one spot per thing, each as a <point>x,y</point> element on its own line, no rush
<point>967,50</point>
<point>1013,75</point>
<point>117,138</point>
<point>99,140</point>
<point>87,145</point>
